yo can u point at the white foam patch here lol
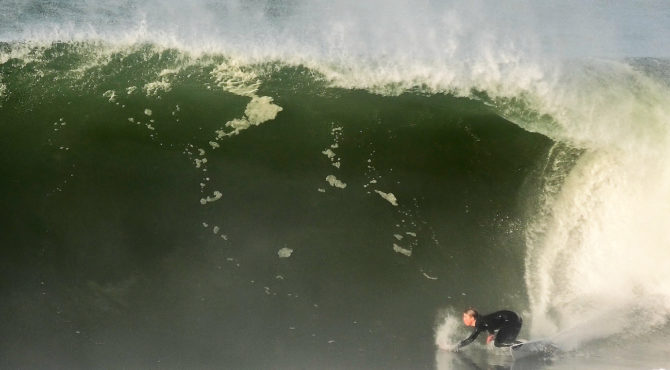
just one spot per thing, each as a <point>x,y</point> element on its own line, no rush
<point>336,133</point>
<point>329,153</point>
<point>130,90</point>
<point>156,87</point>
<point>235,124</point>
<point>388,196</point>
<point>169,72</point>
<point>214,144</point>
<point>259,110</point>
<point>147,112</point>
<point>110,95</point>
<point>285,252</point>
<point>429,277</point>
<point>213,198</point>
<point>3,89</point>
<point>240,79</point>
<point>334,182</point>
<point>199,162</point>
<point>401,250</point>
<point>236,78</point>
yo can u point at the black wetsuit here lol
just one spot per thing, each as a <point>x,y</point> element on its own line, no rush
<point>507,323</point>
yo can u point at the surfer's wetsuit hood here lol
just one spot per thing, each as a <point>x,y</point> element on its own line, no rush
<point>507,323</point>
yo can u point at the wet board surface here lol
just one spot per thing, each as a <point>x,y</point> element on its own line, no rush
<point>541,348</point>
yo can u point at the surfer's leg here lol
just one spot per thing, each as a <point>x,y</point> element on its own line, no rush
<point>507,334</point>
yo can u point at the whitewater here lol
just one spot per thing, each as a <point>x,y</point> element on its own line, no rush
<point>335,180</point>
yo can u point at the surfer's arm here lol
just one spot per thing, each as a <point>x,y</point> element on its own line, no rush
<point>469,339</point>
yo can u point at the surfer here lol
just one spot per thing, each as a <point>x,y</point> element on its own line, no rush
<point>507,323</point>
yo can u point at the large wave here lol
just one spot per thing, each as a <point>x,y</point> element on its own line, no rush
<point>588,75</point>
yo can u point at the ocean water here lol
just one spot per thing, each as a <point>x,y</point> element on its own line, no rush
<point>311,184</point>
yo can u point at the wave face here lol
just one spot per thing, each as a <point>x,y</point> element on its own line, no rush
<point>184,182</point>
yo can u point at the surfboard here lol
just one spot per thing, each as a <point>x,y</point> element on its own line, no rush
<point>541,347</point>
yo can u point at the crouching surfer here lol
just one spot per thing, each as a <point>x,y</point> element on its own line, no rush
<point>506,323</point>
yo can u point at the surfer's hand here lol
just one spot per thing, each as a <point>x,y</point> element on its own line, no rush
<point>490,338</point>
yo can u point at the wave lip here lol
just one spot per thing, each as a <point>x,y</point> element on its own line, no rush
<point>390,47</point>
<point>376,30</point>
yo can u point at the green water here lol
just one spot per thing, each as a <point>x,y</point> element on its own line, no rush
<point>110,258</point>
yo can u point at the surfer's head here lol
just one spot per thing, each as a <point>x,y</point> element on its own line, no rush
<point>470,316</point>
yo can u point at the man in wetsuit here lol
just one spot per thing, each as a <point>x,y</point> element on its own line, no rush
<point>507,323</point>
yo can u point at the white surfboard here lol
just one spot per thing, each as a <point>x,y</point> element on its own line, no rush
<point>541,347</point>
